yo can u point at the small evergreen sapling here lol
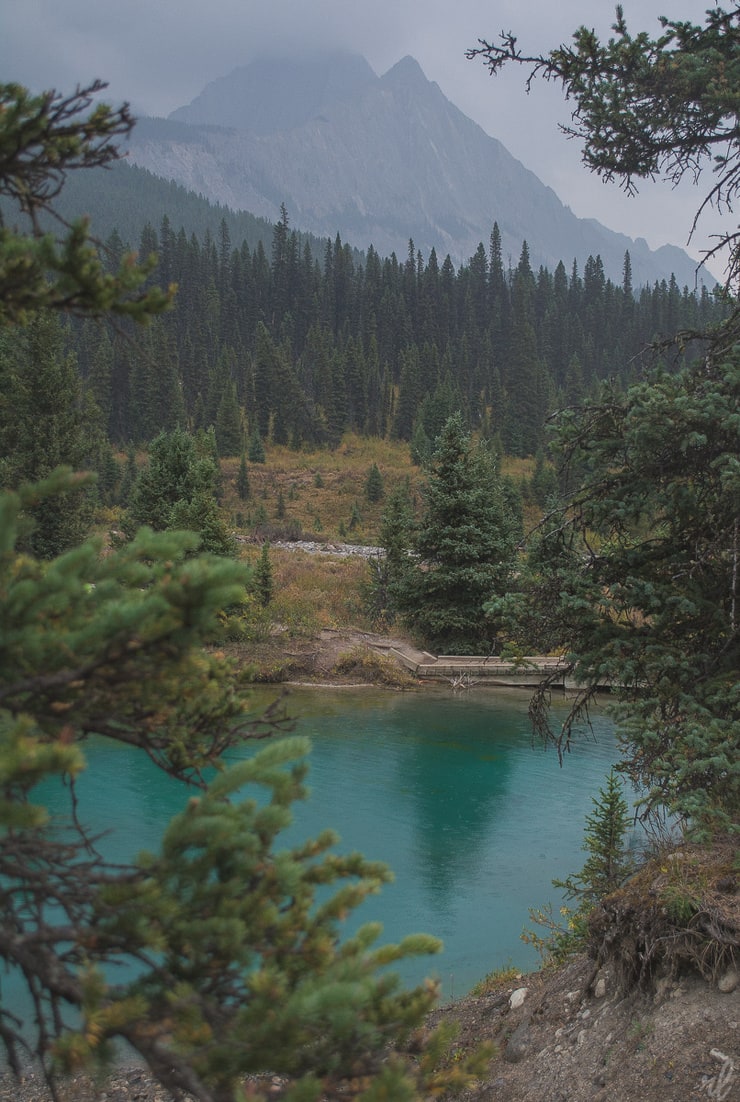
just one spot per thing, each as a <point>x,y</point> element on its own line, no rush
<point>242,481</point>
<point>607,866</point>
<point>374,486</point>
<point>263,580</point>
<point>256,451</point>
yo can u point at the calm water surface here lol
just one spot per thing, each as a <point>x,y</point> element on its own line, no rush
<point>445,787</point>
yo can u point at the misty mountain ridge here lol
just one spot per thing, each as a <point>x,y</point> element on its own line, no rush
<point>379,160</point>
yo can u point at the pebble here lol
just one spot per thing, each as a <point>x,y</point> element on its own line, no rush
<point>728,982</point>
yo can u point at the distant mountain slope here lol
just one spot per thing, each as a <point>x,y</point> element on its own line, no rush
<point>251,99</point>
<point>126,197</point>
<point>380,160</point>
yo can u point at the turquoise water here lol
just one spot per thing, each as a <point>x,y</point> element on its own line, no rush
<point>444,787</point>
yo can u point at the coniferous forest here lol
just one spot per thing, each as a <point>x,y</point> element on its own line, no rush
<point>303,347</point>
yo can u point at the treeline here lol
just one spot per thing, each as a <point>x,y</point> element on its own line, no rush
<point>300,348</point>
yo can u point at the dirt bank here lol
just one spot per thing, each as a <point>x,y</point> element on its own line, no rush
<point>560,1045</point>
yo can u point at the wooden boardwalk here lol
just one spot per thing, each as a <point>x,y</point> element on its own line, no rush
<point>525,672</point>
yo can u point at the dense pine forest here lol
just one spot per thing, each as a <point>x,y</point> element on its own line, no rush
<point>303,347</point>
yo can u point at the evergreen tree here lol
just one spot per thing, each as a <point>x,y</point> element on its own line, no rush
<point>46,138</point>
<point>420,446</point>
<point>605,869</point>
<point>388,573</point>
<point>608,863</point>
<point>645,553</point>
<point>263,581</point>
<point>644,566</point>
<point>242,481</point>
<point>178,488</point>
<point>374,485</point>
<point>464,545</point>
<point>256,452</point>
<point>130,473</point>
<point>228,423</point>
<point>46,421</point>
<point>200,514</point>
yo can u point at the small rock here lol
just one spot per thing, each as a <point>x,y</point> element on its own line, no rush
<point>728,982</point>
<point>517,997</point>
<point>581,1037</point>
<point>600,988</point>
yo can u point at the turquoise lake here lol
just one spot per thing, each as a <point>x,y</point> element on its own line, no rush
<point>444,787</point>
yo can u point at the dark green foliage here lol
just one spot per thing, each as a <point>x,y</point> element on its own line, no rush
<point>173,473</point>
<point>420,446</point>
<point>464,547</point>
<point>374,485</point>
<point>647,107</point>
<point>177,488</point>
<point>503,347</point>
<point>229,435</point>
<point>637,571</point>
<point>639,578</point>
<point>242,480</point>
<point>662,489</point>
<point>608,863</point>
<point>263,580</point>
<point>389,574</point>
<point>130,473</point>
<point>544,482</point>
<point>355,518</point>
<point>256,451</point>
<point>200,514</point>
<point>43,138</point>
<point>47,420</point>
<point>109,476</point>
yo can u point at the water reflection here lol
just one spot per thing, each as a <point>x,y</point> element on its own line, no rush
<point>455,785</point>
<point>445,788</point>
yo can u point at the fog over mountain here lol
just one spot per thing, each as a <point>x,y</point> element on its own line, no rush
<point>379,160</point>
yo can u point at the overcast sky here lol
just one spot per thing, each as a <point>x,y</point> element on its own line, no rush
<point>159,54</point>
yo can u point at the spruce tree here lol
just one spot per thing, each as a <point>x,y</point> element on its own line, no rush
<point>256,451</point>
<point>608,862</point>
<point>47,420</point>
<point>464,546</point>
<point>242,481</point>
<point>263,580</point>
<point>644,553</point>
<point>388,573</point>
<point>228,423</point>
<point>374,486</point>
